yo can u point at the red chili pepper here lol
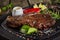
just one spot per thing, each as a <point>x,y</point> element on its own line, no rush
<point>26,11</point>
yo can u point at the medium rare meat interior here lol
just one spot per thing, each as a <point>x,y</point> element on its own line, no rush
<point>39,21</point>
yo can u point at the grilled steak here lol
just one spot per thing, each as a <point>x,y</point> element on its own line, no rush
<point>36,20</point>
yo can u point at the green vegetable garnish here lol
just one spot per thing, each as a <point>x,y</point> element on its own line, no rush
<point>4,8</point>
<point>43,7</point>
<point>31,30</point>
<point>25,28</point>
<point>10,5</point>
<point>55,15</point>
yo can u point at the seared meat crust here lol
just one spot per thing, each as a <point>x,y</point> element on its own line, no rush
<point>36,20</point>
